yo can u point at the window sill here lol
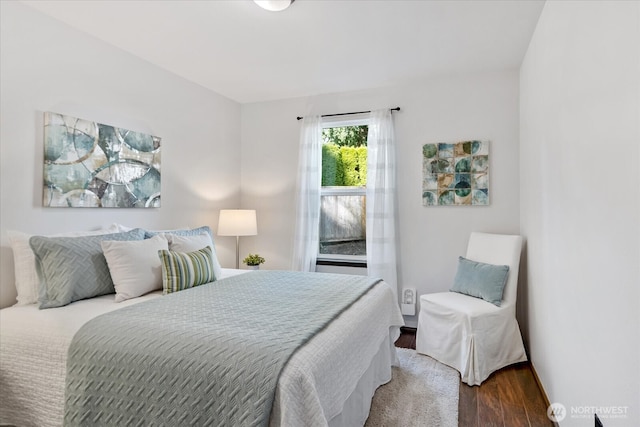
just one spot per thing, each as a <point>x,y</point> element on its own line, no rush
<point>342,263</point>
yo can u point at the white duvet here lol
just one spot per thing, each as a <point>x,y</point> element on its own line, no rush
<point>329,381</point>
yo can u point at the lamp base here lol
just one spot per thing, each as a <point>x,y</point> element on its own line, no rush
<point>237,252</point>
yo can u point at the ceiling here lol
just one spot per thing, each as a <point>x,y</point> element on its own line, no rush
<point>248,54</point>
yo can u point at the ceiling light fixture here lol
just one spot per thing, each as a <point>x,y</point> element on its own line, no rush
<point>274,5</point>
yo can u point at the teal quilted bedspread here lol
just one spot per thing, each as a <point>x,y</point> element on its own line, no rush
<point>206,356</point>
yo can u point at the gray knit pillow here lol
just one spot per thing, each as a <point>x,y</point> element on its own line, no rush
<point>74,268</point>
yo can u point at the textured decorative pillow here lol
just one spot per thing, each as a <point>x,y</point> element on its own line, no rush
<point>74,268</point>
<point>180,243</point>
<point>181,232</point>
<point>481,280</point>
<point>184,270</point>
<point>26,276</point>
<point>122,227</point>
<point>134,265</point>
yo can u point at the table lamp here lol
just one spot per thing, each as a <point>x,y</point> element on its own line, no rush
<point>237,222</point>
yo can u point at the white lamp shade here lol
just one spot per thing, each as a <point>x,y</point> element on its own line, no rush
<point>274,5</point>
<point>237,222</point>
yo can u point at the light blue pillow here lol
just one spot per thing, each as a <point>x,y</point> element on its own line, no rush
<point>182,232</point>
<point>480,280</point>
<point>74,268</point>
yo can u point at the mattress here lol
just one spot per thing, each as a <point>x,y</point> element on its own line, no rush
<point>329,381</point>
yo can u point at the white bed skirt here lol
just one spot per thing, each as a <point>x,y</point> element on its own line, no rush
<point>356,408</point>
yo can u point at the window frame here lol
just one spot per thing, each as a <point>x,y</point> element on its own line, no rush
<point>337,259</point>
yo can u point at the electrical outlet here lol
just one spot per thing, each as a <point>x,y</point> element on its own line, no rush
<point>408,296</point>
<point>408,299</point>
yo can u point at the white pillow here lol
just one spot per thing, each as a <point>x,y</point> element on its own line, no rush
<point>179,243</point>
<point>24,261</point>
<point>123,228</point>
<point>134,265</point>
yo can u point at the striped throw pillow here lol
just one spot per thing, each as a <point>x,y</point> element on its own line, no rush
<point>184,270</point>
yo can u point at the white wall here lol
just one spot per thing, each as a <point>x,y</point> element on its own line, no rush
<point>580,215</point>
<point>48,66</point>
<point>448,109</point>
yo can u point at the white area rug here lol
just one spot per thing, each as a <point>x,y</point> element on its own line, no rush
<point>422,392</point>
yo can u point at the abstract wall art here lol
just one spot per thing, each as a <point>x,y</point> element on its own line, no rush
<point>455,174</point>
<point>89,164</point>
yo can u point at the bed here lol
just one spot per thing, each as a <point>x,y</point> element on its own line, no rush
<point>328,381</point>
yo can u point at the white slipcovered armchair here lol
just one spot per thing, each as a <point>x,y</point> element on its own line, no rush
<point>470,334</point>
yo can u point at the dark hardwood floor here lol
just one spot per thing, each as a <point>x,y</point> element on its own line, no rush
<point>510,397</point>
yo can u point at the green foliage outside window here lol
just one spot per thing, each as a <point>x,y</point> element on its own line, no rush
<point>332,170</point>
<point>346,136</point>
<point>344,156</point>
<point>344,166</point>
<point>354,165</point>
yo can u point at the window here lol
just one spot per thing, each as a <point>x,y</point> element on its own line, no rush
<point>343,192</point>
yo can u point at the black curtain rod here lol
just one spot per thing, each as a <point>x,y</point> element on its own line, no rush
<point>347,114</point>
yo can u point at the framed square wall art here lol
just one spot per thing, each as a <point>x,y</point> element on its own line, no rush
<point>92,165</point>
<point>455,174</point>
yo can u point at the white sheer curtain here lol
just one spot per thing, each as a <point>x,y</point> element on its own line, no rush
<point>381,199</point>
<point>305,246</point>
